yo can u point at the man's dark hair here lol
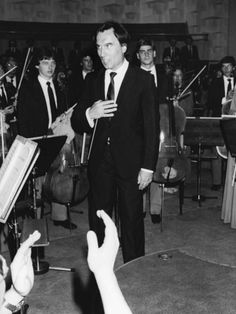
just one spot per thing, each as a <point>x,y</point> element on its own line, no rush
<point>119,31</point>
<point>87,53</point>
<point>45,53</point>
<point>145,42</point>
<point>228,59</point>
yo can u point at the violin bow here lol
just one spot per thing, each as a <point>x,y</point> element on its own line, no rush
<point>193,80</point>
<point>23,71</point>
<point>5,74</point>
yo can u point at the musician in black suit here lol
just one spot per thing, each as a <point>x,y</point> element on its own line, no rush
<point>125,144</point>
<point>7,101</point>
<point>39,103</point>
<point>77,78</point>
<point>189,55</point>
<point>146,54</point>
<point>171,54</point>
<point>220,93</point>
<point>13,76</point>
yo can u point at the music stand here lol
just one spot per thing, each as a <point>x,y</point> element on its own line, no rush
<point>50,147</point>
<point>202,131</point>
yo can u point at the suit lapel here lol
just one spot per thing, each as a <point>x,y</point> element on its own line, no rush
<point>125,85</point>
<point>101,85</point>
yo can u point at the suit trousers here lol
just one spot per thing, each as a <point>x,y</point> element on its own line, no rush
<point>105,187</point>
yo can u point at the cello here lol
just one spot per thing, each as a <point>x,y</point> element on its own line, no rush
<point>171,164</point>
<point>66,181</point>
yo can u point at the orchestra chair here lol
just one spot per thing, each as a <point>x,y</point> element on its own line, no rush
<point>180,184</point>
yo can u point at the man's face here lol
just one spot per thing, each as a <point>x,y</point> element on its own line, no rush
<point>47,68</point>
<point>87,64</point>
<point>178,77</point>
<point>227,69</point>
<point>109,49</point>
<point>146,55</point>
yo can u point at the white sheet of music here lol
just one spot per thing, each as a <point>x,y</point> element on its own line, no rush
<point>14,172</point>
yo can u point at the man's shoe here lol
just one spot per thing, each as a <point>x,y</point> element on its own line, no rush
<point>65,224</point>
<point>216,187</point>
<point>156,219</point>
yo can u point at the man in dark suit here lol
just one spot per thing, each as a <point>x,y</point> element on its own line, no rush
<point>125,144</point>
<point>220,93</point>
<point>146,54</point>
<point>39,103</point>
<point>189,55</point>
<point>171,54</point>
<point>13,76</point>
<point>77,78</point>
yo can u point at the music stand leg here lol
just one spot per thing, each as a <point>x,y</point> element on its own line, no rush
<point>199,197</point>
<point>40,267</point>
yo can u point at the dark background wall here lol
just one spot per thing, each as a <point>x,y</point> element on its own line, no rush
<point>214,17</point>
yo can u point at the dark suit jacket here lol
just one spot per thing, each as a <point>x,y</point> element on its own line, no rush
<point>216,93</point>
<point>32,112</point>
<point>134,130</point>
<point>185,54</point>
<point>76,85</point>
<point>167,53</point>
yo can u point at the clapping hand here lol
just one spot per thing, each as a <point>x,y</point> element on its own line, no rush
<point>21,267</point>
<point>102,258</point>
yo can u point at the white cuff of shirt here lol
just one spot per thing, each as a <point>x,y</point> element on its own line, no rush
<point>147,170</point>
<point>90,121</point>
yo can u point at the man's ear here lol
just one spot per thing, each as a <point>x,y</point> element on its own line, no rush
<point>124,48</point>
<point>37,67</point>
<point>154,53</point>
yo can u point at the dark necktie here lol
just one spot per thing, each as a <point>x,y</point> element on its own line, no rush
<point>3,99</point>
<point>52,101</point>
<point>111,87</point>
<point>229,87</point>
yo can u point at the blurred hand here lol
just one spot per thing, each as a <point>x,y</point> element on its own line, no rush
<point>102,109</point>
<point>22,268</point>
<point>102,258</point>
<point>230,94</point>
<point>144,179</point>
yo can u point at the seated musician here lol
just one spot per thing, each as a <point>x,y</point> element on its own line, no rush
<point>175,87</point>
<point>219,96</point>
<point>40,102</point>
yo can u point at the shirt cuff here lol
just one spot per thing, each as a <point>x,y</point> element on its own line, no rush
<point>13,297</point>
<point>147,170</point>
<point>90,121</point>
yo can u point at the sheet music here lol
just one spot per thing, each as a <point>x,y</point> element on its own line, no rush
<point>21,156</point>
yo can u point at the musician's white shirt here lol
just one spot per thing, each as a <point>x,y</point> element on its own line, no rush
<point>43,83</point>
<point>226,82</point>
